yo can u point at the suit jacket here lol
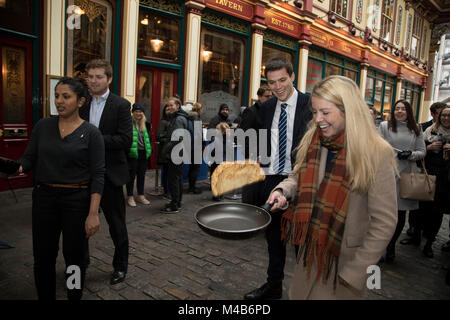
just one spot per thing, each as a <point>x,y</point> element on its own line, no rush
<point>116,128</point>
<point>370,223</point>
<point>302,117</point>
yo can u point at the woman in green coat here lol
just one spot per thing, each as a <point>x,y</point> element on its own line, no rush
<point>140,151</point>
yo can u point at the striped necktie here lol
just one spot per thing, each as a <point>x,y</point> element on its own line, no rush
<point>282,138</point>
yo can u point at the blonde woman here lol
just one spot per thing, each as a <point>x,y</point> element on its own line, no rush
<point>140,151</point>
<point>344,210</point>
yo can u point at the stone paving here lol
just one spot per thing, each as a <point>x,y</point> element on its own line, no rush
<point>171,258</point>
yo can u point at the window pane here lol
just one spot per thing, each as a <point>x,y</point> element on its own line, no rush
<point>378,94</point>
<point>16,15</point>
<point>415,102</point>
<point>369,89</point>
<point>408,96</point>
<point>332,70</point>
<point>146,92</point>
<point>93,39</point>
<point>315,70</point>
<point>350,74</point>
<point>270,52</point>
<point>221,72</point>
<point>387,97</point>
<point>159,37</point>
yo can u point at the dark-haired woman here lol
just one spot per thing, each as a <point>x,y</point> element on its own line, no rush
<point>67,154</point>
<point>406,137</point>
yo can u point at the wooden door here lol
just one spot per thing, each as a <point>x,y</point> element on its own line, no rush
<point>154,87</point>
<point>16,116</point>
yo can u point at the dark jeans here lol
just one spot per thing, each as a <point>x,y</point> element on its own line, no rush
<point>164,182</point>
<point>194,169</point>
<point>137,167</point>
<point>275,246</point>
<point>57,210</point>
<point>175,182</point>
<point>398,230</point>
<point>113,207</point>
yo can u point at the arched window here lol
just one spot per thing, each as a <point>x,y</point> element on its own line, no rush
<point>92,38</point>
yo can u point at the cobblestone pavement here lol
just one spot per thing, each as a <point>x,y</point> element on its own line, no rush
<point>172,258</point>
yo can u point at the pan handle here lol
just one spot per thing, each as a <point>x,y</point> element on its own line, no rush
<point>267,206</point>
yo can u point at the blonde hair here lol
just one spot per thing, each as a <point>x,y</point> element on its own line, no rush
<point>140,124</point>
<point>223,127</point>
<point>197,107</point>
<point>365,147</point>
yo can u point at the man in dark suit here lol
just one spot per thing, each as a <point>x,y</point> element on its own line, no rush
<point>251,120</point>
<point>285,117</point>
<point>111,114</point>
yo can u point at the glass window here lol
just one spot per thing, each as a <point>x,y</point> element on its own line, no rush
<point>369,90</point>
<point>16,15</point>
<point>332,70</point>
<point>386,19</point>
<point>315,71</point>
<point>270,52</point>
<point>388,96</point>
<point>158,36</point>
<point>93,39</point>
<point>350,74</point>
<point>377,103</point>
<point>339,7</point>
<point>416,36</point>
<point>221,72</point>
<point>146,92</point>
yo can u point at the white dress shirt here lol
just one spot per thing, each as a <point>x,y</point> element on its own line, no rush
<point>290,112</point>
<point>97,106</point>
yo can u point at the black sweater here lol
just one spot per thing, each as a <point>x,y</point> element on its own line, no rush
<point>77,158</point>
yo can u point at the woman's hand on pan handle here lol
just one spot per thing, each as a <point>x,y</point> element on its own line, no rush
<point>281,200</point>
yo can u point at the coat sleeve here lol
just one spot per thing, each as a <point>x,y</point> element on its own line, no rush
<point>420,150</point>
<point>29,158</point>
<point>288,187</point>
<point>122,138</point>
<point>382,211</point>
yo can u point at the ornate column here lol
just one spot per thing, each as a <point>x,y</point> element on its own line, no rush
<point>129,50</point>
<point>363,78</point>
<point>55,26</point>
<point>398,89</point>
<point>192,55</point>
<point>424,113</point>
<point>258,27</point>
<point>303,64</point>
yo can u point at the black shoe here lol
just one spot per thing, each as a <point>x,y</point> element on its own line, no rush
<point>446,247</point>
<point>219,198</point>
<point>117,276</point>
<point>428,251</point>
<point>413,241</point>
<point>267,291</point>
<point>197,191</point>
<point>170,208</point>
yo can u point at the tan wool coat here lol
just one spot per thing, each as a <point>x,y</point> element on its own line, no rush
<point>369,226</point>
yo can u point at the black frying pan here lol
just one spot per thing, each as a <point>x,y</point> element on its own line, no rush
<point>232,220</point>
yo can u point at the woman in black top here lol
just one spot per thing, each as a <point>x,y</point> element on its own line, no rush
<point>68,157</point>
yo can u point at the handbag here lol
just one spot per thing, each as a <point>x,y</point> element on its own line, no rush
<point>417,186</point>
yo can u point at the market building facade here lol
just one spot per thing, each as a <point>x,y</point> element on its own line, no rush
<point>210,51</point>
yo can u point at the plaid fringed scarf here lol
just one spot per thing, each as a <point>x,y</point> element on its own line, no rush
<point>316,219</point>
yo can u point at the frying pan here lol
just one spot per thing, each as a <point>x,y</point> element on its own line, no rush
<point>233,220</point>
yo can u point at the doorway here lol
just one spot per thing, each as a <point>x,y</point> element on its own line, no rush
<point>16,116</point>
<point>154,87</point>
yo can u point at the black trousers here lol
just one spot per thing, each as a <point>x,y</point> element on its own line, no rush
<point>137,167</point>
<point>175,182</point>
<point>427,219</point>
<point>398,230</point>
<point>276,247</point>
<point>57,210</point>
<point>113,207</point>
<point>194,169</point>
